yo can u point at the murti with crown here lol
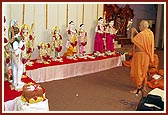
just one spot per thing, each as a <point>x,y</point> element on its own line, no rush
<point>71,42</point>
<point>44,52</point>
<point>56,44</point>
<point>28,37</point>
<point>17,46</point>
<point>99,38</point>
<point>110,37</point>
<point>82,40</point>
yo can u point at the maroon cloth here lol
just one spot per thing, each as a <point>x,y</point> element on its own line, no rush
<point>7,60</point>
<point>23,47</point>
<point>48,45</point>
<point>54,37</point>
<point>46,58</point>
<point>69,32</point>
<point>24,73</point>
<point>83,43</point>
<point>38,47</point>
<point>74,44</point>
<point>24,60</point>
<point>29,50</point>
<point>98,27</point>
<point>58,49</point>
<point>60,37</point>
<point>85,33</point>
<point>5,40</point>
<point>30,37</point>
<point>21,32</point>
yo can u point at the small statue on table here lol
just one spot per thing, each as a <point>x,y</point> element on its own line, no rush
<point>110,37</point>
<point>27,35</point>
<point>44,52</point>
<point>17,60</point>
<point>71,42</point>
<point>57,43</point>
<point>82,40</point>
<point>99,38</point>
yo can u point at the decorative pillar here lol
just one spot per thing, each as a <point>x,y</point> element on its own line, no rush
<point>77,14</point>
<point>23,13</point>
<point>83,10</point>
<point>97,10</point>
<point>46,16</point>
<point>67,16</point>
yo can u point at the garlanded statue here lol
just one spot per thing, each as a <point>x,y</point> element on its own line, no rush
<point>17,49</point>
<point>27,35</point>
<point>71,42</point>
<point>44,52</point>
<point>57,43</point>
<point>100,35</point>
<point>110,36</point>
<point>82,40</point>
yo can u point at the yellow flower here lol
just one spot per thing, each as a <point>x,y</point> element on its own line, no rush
<point>31,101</point>
<point>22,98</point>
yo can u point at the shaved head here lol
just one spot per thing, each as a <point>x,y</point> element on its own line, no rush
<point>144,25</point>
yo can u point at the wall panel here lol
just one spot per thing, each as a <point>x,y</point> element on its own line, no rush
<point>100,10</point>
<point>29,15</point>
<point>62,24</point>
<point>79,15</point>
<point>88,26</point>
<point>16,12</point>
<point>53,15</point>
<point>40,27</point>
<point>72,13</point>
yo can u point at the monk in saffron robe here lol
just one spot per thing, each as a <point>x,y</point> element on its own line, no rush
<point>143,54</point>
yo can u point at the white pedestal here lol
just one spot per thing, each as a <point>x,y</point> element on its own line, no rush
<point>25,106</point>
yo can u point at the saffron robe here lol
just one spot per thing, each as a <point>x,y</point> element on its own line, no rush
<point>144,41</point>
